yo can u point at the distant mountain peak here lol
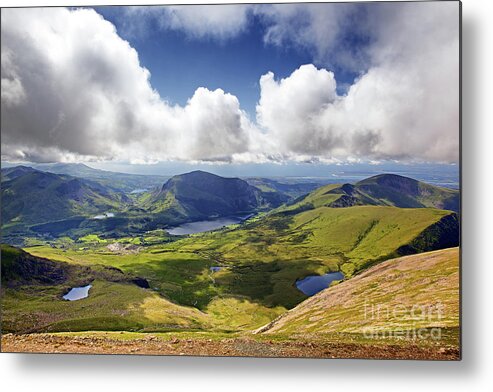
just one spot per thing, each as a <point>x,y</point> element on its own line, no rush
<point>11,173</point>
<point>198,173</point>
<point>19,167</point>
<point>201,195</point>
<point>408,186</point>
<point>387,190</point>
<point>388,178</point>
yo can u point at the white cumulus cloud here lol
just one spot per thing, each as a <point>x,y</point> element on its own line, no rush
<point>289,108</point>
<point>404,107</point>
<point>72,87</point>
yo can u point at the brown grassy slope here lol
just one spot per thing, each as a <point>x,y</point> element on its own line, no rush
<point>418,291</point>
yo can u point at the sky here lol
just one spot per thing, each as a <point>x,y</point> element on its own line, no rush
<point>249,86</point>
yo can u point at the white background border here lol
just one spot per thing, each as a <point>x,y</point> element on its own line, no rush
<point>74,373</point>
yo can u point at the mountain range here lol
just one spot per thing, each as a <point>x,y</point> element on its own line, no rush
<point>119,182</point>
<point>34,197</point>
<point>236,278</point>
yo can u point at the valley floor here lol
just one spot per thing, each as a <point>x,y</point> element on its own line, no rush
<point>207,344</point>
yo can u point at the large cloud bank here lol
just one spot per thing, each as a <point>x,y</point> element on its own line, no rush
<point>405,106</point>
<point>73,89</point>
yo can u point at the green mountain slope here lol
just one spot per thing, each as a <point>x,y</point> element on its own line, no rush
<point>201,195</point>
<point>419,291</point>
<point>352,238</point>
<point>123,182</point>
<point>401,191</point>
<point>32,290</point>
<point>12,173</point>
<point>19,267</point>
<point>30,196</point>
<point>262,259</point>
<point>236,278</point>
<point>257,264</point>
<point>384,190</point>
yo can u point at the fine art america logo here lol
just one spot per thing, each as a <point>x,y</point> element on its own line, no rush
<point>402,321</point>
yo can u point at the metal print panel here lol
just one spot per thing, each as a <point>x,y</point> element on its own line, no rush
<point>269,180</point>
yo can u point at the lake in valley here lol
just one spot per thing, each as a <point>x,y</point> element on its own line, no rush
<point>104,216</point>
<point>77,293</point>
<point>311,285</point>
<point>205,225</point>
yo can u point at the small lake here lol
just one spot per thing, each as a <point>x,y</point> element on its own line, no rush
<point>104,216</point>
<point>311,285</point>
<point>215,269</point>
<point>206,225</point>
<point>77,293</point>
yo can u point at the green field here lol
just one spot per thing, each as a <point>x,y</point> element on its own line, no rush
<point>237,279</point>
<point>260,262</point>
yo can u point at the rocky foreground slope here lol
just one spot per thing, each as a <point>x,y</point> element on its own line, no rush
<point>168,344</point>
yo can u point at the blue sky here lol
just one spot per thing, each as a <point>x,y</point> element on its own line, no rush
<point>232,87</point>
<point>233,64</point>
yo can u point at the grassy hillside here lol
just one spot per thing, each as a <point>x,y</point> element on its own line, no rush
<point>110,306</point>
<point>419,291</point>
<point>45,206</point>
<point>260,261</point>
<point>31,196</point>
<point>407,192</point>
<point>347,239</point>
<point>256,264</point>
<point>21,268</point>
<point>382,190</point>
<point>32,290</point>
